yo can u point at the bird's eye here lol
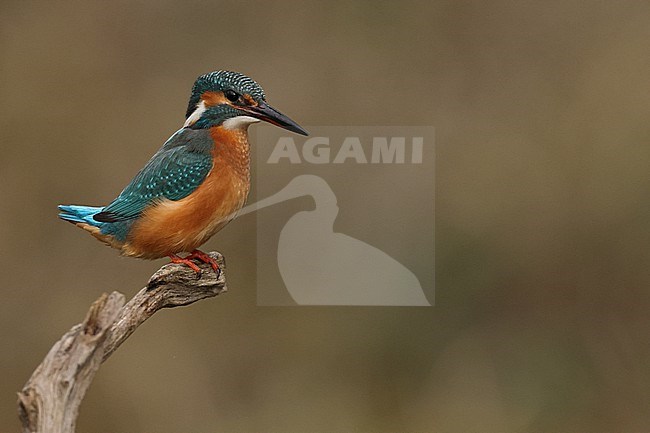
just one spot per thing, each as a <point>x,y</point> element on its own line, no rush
<point>231,95</point>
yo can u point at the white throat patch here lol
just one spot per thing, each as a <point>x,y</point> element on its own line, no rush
<point>239,122</point>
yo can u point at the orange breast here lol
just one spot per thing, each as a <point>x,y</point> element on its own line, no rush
<point>177,226</point>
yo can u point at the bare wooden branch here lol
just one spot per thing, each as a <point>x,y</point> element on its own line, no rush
<point>49,402</point>
<point>171,286</point>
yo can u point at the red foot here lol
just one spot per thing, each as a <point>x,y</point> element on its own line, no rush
<point>185,261</point>
<point>200,255</point>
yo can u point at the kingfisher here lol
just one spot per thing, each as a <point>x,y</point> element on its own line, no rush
<point>194,184</point>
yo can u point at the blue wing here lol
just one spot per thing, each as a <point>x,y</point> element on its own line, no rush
<point>176,170</point>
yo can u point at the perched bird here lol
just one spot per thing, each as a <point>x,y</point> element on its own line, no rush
<point>194,185</point>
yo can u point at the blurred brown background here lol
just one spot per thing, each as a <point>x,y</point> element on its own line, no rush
<point>541,111</point>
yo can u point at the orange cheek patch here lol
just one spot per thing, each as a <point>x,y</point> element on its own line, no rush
<point>249,100</point>
<point>213,98</point>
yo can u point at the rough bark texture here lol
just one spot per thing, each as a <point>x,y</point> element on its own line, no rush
<point>49,401</point>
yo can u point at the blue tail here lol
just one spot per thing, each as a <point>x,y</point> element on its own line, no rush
<point>80,214</point>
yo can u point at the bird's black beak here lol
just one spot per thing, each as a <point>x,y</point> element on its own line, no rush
<point>265,112</point>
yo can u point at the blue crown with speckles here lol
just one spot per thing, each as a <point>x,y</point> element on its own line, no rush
<point>219,81</point>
